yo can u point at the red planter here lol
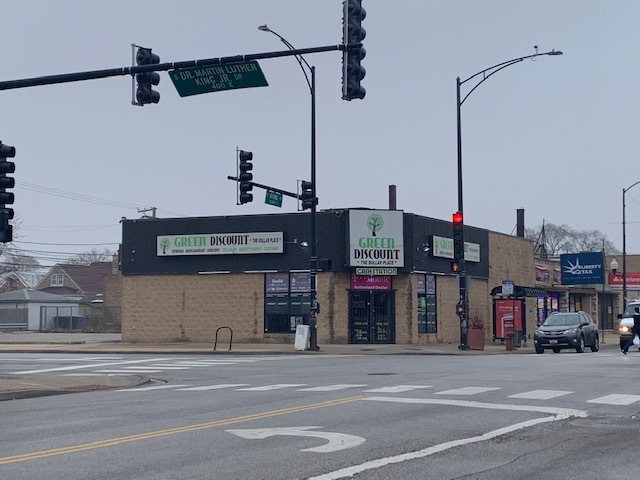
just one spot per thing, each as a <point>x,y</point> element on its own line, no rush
<point>475,339</point>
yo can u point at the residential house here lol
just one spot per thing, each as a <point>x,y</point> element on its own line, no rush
<point>86,284</point>
<point>38,311</point>
<point>76,281</point>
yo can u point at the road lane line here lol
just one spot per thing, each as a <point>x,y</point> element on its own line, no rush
<point>556,414</point>
<point>110,442</point>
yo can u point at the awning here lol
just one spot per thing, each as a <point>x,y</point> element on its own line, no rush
<point>520,291</point>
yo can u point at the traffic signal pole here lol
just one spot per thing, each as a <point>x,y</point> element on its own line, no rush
<point>133,70</point>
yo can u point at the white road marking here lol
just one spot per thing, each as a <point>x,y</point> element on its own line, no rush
<point>541,394</point>
<point>214,387</point>
<point>146,389</point>
<point>467,391</point>
<point>278,386</point>
<point>125,372</point>
<point>156,367</point>
<point>616,399</point>
<point>335,441</point>
<point>397,389</point>
<point>556,414</point>
<point>330,388</point>
<point>95,365</point>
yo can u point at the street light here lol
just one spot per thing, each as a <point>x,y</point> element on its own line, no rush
<point>313,337</point>
<point>624,247</point>
<point>485,74</point>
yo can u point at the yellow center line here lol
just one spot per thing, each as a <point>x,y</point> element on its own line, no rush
<point>171,431</point>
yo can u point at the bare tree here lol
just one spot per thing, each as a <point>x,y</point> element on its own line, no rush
<point>552,240</point>
<point>92,256</point>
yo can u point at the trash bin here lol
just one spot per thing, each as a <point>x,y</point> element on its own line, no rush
<point>303,334</point>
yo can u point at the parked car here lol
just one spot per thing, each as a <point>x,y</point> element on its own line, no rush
<point>567,330</point>
<point>626,322</point>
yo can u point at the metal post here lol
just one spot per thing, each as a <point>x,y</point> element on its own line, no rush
<point>624,253</point>
<point>313,338</point>
<point>483,75</point>
<point>462,280</point>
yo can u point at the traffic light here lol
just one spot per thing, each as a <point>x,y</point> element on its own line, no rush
<point>308,199</point>
<point>6,198</point>
<point>458,237</point>
<point>145,93</point>
<point>245,176</point>
<point>460,308</point>
<point>455,266</point>
<point>353,33</point>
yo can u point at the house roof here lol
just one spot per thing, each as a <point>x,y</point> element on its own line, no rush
<point>88,278</point>
<point>30,295</point>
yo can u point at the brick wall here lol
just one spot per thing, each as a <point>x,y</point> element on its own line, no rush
<point>172,308</point>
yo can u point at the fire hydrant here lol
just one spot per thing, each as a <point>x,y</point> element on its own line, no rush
<point>509,341</point>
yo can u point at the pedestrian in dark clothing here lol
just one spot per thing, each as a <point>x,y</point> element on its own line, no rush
<point>635,330</point>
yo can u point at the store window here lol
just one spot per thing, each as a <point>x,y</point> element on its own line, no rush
<point>287,301</point>
<point>427,311</point>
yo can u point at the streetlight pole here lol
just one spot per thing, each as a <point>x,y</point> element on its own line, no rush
<point>624,247</point>
<point>480,77</point>
<point>313,337</point>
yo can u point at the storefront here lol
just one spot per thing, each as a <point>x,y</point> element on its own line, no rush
<point>383,277</point>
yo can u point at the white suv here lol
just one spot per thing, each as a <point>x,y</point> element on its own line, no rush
<point>626,322</point>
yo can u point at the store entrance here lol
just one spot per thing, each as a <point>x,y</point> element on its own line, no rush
<point>372,316</point>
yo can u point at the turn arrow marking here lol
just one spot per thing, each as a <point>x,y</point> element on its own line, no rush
<point>336,441</point>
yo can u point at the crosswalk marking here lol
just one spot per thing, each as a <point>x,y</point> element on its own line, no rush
<point>214,387</point>
<point>397,389</point>
<point>540,394</point>
<point>278,386</point>
<point>330,388</point>
<point>616,399</point>
<point>467,390</point>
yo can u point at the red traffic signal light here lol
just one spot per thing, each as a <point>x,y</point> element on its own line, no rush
<point>455,267</point>
<point>457,220</point>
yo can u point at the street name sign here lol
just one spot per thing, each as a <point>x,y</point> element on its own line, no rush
<point>273,198</point>
<point>214,78</point>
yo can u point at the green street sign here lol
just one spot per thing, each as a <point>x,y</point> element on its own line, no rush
<point>273,198</point>
<point>197,80</point>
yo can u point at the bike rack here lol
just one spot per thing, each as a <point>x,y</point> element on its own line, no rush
<point>215,345</point>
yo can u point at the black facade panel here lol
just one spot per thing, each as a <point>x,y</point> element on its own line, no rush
<point>139,244</point>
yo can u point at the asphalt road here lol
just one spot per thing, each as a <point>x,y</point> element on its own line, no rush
<point>319,416</point>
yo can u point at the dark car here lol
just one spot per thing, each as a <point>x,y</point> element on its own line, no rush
<point>567,330</point>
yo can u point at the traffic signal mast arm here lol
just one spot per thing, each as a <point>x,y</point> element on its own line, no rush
<point>133,70</point>
<point>265,187</point>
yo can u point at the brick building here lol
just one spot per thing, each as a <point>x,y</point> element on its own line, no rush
<point>382,281</point>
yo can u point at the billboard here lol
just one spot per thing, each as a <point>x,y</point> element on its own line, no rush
<point>582,268</point>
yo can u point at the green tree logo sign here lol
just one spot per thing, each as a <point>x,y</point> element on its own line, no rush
<point>164,244</point>
<point>375,223</point>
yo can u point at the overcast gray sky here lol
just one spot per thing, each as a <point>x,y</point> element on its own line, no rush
<point>557,136</point>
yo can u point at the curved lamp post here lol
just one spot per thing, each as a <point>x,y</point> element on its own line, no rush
<point>624,247</point>
<point>313,340</point>
<point>480,78</point>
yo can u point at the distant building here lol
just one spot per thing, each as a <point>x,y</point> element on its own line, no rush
<point>75,281</point>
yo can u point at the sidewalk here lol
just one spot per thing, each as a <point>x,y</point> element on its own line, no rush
<point>24,386</point>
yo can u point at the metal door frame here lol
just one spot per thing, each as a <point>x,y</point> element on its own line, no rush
<point>371,297</point>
